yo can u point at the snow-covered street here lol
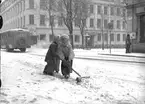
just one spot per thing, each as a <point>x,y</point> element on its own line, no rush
<point>109,82</point>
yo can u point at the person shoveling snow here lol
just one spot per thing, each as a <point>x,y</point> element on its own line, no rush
<point>62,50</point>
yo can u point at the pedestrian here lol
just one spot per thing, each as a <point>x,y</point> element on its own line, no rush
<point>0,83</point>
<point>128,43</point>
<point>52,58</point>
<point>67,56</point>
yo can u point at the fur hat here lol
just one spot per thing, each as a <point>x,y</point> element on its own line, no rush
<point>64,39</point>
<point>56,38</point>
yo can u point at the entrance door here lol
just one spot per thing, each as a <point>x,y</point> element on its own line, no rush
<point>142,29</point>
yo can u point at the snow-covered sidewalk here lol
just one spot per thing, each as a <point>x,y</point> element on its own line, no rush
<point>115,55</point>
<point>109,83</point>
<point>117,52</point>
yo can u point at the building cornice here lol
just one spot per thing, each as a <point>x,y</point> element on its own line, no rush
<point>135,5</point>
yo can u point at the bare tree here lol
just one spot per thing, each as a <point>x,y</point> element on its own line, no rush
<point>67,12</point>
<point>50,6</point>
<point>82,13</point>
<point>70,10</point>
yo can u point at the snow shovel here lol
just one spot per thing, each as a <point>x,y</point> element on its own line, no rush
<point>79,79</point>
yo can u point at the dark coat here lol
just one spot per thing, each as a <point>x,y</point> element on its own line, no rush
<point>128,43</point>
<point>52,59</point>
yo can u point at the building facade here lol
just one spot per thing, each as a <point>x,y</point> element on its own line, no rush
<point>30,15</point>
<point>136,23</point>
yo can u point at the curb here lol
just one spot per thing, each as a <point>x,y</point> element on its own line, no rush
<point>90,58</point>
<point>121,55</point>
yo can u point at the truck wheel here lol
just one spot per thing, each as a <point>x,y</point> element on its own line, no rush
<point>22,49</point>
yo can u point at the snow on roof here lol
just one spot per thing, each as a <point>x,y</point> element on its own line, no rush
<point>17,29</point>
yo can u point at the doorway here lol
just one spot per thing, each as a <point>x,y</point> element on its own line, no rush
<point>142,28</point>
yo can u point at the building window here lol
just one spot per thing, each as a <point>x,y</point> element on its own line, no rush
<point>99,9</point>
<point>105,23</point>
<point>60,21</point>
<point>106,37</point>
<point>91,22</point>
<point>31,19</point>
<point>31,4</point>
<point>20,7</point>
<point>124,12</point>
<point>112,11</point>
<point>124,37</point>
<point>105,10</point>
<point>124,25</point>
<point>129,13</point>
<point>76,22</point>
<point>99,36</point>
<point>24,21</point>
<point>112,21</point>
<point>118,37</point>
<point>112,37</point>
<point>21,22</point>
<point>51,22</point>
<point>23,5</point>
<point>98,23</point>
<point>42,36</point>
<point>77,38</point>
<point>84,22</point>
<point>118,24</point>
<point>60,6</point>
<point>18,22</point>
<point>91,8</point>
<point>42,20</point>
<point>43,4</point>
<point>118,12</point>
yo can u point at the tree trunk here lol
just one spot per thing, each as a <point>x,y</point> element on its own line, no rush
<point>51,23</point>
<point>71,38</point>
<point>82,39</point>
<point>52,31</point>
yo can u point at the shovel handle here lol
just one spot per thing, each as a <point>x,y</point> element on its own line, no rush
<point>76,72</point>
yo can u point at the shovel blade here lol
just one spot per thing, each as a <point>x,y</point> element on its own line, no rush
<point>85,77</point>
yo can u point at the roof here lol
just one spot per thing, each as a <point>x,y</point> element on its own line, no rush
<point>17,29</point>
